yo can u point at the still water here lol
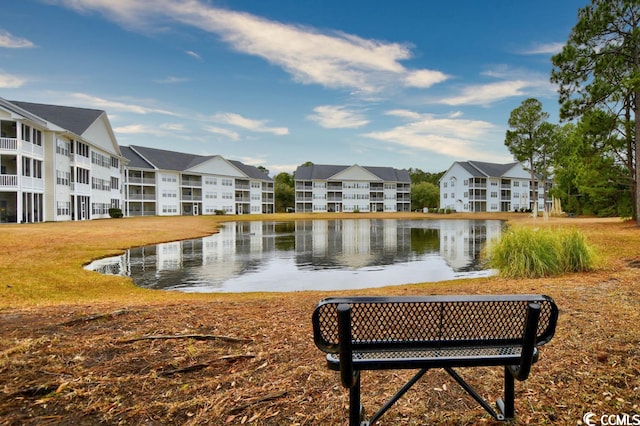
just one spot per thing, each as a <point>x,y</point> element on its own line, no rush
<point>310,255</point>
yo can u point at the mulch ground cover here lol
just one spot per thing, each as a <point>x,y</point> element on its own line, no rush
<point>251,360</point>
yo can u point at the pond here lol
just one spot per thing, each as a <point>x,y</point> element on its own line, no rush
<point>310,255</point>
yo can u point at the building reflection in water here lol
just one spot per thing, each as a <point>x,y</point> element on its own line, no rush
<point>310,255</point>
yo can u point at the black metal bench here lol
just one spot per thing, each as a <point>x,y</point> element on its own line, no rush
<point>379,333</point>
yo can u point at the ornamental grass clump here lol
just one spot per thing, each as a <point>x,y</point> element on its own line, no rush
<point>533,253</point>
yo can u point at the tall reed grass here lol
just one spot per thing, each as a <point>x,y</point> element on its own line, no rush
<point>533,253</point>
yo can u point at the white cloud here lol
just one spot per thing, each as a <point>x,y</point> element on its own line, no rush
<point>101,103</point>
<point>485,94</point>
<point>424,78</point>
<point>10,81</point>
<point>10,41</point>
<point>193,54</point>
<point>404,113</point>
<point>331,59</point>
<point>544,49</point>
<point>138,129</point>
<point>450,136</point>
<point>337,117</point>
<point>224,132</point>
<point>248,123</point>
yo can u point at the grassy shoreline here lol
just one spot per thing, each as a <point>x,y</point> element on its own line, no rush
<point>69,354</point>
<point>43,263</point>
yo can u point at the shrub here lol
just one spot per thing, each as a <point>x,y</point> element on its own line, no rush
<point>115,212</point>
<point>219,212</point>
<point>535,253</point>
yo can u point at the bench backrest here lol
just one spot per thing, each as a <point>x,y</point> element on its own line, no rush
<point>433,321</point>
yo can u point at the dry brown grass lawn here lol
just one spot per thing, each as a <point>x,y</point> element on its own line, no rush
<point>71,350</point>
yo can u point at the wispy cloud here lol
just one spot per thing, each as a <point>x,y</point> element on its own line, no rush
<point>193,54</point>
<point>234,136</point>
<point>445,135</point>
<point>10,81</point>
<point>485,94</point>
<point>172,80</point>
<point>10,41</point>
<point>337,117</point>
<point>140,129</point>
<point>544,49</point>
<point>249,124</point>
<point>111,105</point>
<point>329,58</point>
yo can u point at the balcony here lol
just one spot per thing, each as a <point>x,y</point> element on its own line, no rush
<point>139,180</point>
<point>8,144</point>
<point>9,181</point>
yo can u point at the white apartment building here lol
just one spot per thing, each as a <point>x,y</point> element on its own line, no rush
<point>169,183</point>
<point>474,186</point>
<point>57,163</point>
<point>334,188</point>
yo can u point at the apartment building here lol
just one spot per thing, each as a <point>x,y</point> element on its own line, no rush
<point>334,188</point>
<point>474,186</point>
<point>169,183</point>
<point>57,163</point>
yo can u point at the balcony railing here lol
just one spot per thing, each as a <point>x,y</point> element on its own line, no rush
<point>138,197</point>
<point>147,181</point>
<point>8,144</point>
<point>8,181</point>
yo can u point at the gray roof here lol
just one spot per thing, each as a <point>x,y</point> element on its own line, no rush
<point>481,169</point>
<point>148,158</point>
<point>326,171</point>
<point>76,120</point>
<point>135,161</point>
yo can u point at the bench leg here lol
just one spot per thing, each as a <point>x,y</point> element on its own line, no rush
<point>472,392</point>
<point>356,411</point>
<point>507,405</point>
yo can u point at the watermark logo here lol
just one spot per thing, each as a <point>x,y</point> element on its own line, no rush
<point>592,419</point>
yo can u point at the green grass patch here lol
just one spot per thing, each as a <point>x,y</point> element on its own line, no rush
<point>533,253</point>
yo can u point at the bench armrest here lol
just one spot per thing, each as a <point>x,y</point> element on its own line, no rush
<point>521,372</point>
<point>345,351</point>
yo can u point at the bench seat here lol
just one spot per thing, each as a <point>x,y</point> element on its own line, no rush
<point>432,358</point>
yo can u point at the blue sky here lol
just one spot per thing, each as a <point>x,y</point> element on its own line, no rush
<point>410,83</point>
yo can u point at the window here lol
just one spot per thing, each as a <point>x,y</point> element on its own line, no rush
<point>26,166</point>
<point>26,133</point>
<point>82,149</point>
<point>82,176</point>
<point>37,137</point>
<point>115,183</point>
<point>62,147</point>
<point>62,178</point>
<point>100,160</point>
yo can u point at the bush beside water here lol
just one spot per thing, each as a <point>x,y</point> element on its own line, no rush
<point>535,253</point>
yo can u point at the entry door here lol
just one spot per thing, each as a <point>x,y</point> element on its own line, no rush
<point>195,210</point>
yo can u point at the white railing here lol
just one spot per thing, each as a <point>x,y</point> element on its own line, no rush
<point>8,144</point>
<point>8,180</point>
